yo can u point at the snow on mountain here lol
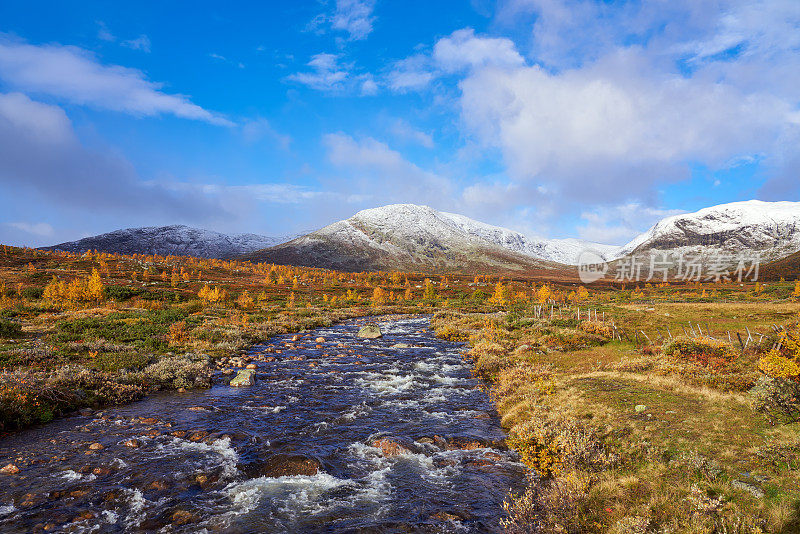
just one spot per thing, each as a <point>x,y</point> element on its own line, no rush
<point>771,228</point>
<point>411,236</point>
<point>396,226</point>
<point>564,251</point>
<point>175,240</point>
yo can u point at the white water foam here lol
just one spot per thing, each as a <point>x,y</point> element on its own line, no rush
<point>136,504</point>
<point>297,495</point>
<point>389,384</point>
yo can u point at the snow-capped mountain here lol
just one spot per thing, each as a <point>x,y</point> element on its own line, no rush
<point>564,251</point>
<point>175,240</point>
<point>407,236</point>
<point>770,228</point>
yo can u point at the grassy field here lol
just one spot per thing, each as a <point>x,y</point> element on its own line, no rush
<point>628,437</point>
<point>637,408</point>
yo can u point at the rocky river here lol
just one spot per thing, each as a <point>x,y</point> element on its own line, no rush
<point>338,434</point>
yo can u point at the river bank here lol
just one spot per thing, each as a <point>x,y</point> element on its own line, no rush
<point>626,439</point>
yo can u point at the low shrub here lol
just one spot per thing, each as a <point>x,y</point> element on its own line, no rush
<point>120,293</point>
<point>186,371</point>
<point>705,351</point>
<point>452,333</point>
<point>117,361</point>
<point>779,397</point>
<point>598,328</point>
<point>488,358</point>
<point>564,323</point>
<point>783,361</point>
<point>551,506</point>
<point>9,330</point>
<point>33,293</point>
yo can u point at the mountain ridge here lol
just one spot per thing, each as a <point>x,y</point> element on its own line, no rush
<point>176,240</point>
<point>771,228</point>
<point>413,237</point>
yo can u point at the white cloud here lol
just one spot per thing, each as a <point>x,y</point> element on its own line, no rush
<point>354,17</point>
<point>257,129</point>
<point>616,225</point>
<point>274,193</point>
<point>404,131</point>
<point>613,129</point>
<point>330,75</point>
<point>39,229</point>
<point>462,49</point>
<point>327,74</point>
<point>384,174</point>
<point>411,73</point>
<point>76,75</point>
<point>369,87</point>
<point>40,153</point>
<point>104,34</point>
<point>140,43</point>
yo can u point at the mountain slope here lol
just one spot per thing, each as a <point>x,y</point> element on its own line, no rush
<point>787,268</point>
<point>770,228</point>
<point>175,240</point>
<point>407,236</point>
<point>564,251</point>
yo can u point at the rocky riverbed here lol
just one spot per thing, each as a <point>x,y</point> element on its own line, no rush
<point>335,434</point>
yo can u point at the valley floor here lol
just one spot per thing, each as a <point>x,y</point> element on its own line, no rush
<point>637,409</point>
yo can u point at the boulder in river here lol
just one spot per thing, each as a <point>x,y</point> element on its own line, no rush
<point>281,465</point>
<point>370,331</point>
<point>389,447</point>
<point>10,469</point>
<point>182,517</point>
<point>245,377</point>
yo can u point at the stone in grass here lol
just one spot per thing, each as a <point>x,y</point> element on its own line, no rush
<point>640,408</point>
<point>245,377</point>
<point>370,331</point>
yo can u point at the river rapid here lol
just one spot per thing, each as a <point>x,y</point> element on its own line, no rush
<point>340,435</point>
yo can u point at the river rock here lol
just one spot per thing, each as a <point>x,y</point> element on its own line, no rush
<point>370,331</point>
<point>251,366</point>
<point>390,447</point>
<point>96,447</point>
<point>281,465</point>
<point>464,444</point>
<point>10,469</point>
<point>132,444</point>
<point>400,346</point>
<point>158,485</point>
<point>182,517</point>
<point>445,516</point>
<point>245,377</point>
<point>320,340</point>
<point>101,471</point>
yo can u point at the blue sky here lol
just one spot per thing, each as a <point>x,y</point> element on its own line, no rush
<point>558,118</point>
